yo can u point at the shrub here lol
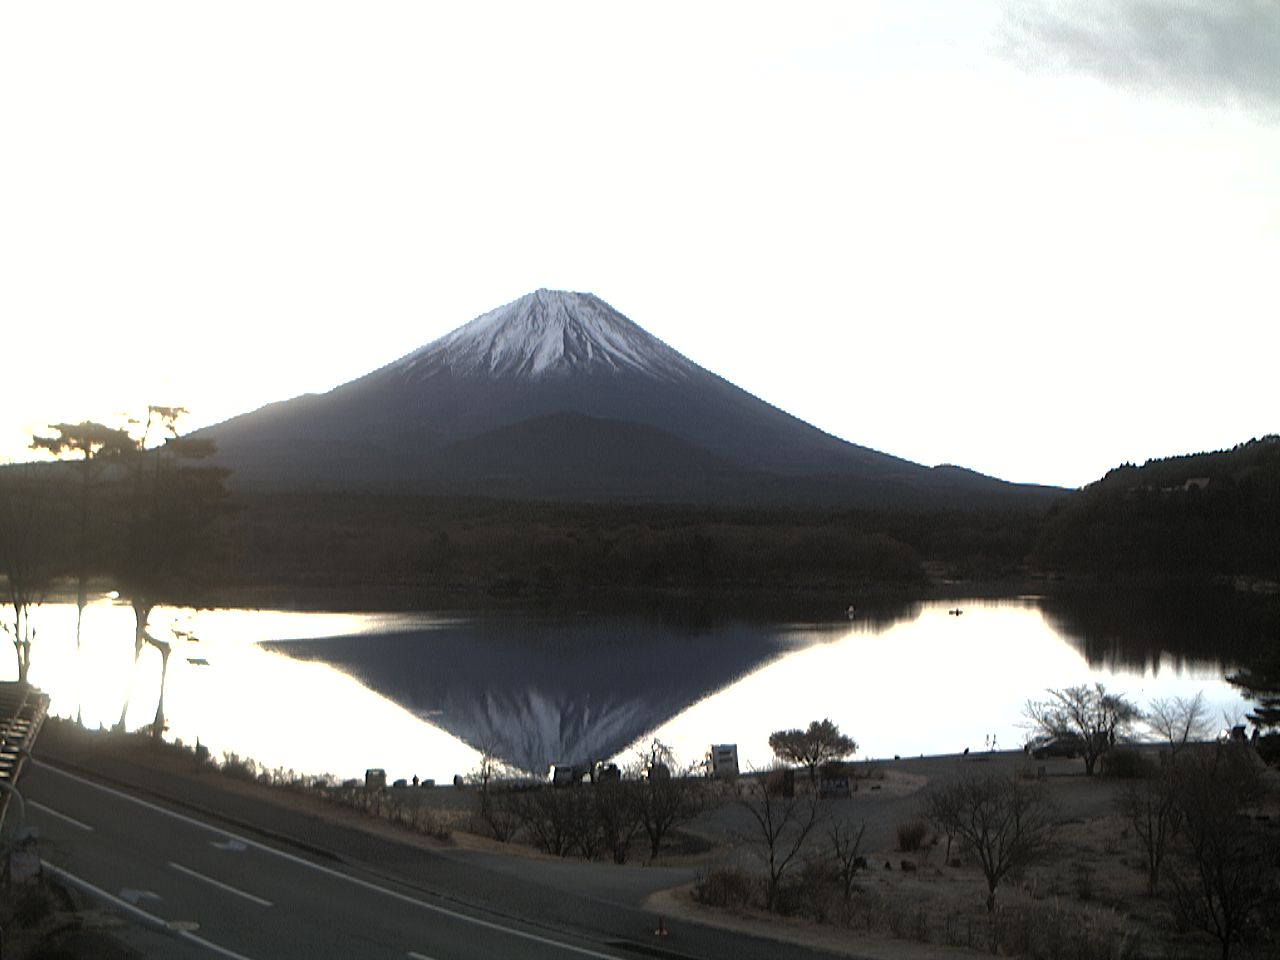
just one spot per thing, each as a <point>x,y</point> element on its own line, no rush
<point>911,835</point>
<point>500,813</point>
<point>1054,934</point>
<point>233,766</point>
<point>1126,763</point>
<point>812,892</point>
<point>726,887</point>
<point>425,820</point>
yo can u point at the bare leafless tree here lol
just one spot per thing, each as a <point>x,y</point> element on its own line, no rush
<point>1091,715</point>
<point>496,808</point>
<point>665,803</point>
<point>549,817</point>
<point>783,821</point>
<point>1178,721</point>
<point>1004,822</point>
<point>1151,809</point>
<point>617,807</point>
<point>846,844</point>
<point>1225,873</point>
<point>666,795</point>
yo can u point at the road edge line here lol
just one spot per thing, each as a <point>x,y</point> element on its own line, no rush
<point>158,922</point>
<point>512,930</point>
<point>62,766</point>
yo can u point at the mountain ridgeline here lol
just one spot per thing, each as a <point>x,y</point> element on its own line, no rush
<point>557,396</point>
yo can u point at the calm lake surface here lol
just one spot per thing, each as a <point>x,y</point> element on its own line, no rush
<point>420,694</point>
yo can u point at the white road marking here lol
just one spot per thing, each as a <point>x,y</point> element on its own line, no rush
<point>134,896</point>
<point>234,845</point>
<point>176,929</point>
<point>219,884</point>
<point>61,816</point>
<point>143,803</point>
<point>395,895</point>
<point>414,955</point>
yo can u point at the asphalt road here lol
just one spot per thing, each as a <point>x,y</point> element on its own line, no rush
<point>233,892</point>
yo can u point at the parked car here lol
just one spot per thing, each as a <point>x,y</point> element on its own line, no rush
<point>1065,746</point>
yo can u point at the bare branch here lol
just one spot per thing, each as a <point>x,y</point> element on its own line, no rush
<point>1004,822</point>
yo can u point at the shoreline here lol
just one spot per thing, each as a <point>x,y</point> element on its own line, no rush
<point>741,600</point>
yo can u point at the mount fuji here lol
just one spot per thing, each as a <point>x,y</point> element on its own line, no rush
<point>557,395</point>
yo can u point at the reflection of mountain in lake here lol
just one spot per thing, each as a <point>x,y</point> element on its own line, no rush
<point>536,692</point>
<point>1133,627</point>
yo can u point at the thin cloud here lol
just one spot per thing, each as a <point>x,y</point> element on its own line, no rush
<point>1216,52</point>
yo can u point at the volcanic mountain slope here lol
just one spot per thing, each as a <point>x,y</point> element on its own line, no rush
<point>558,395</point>
<point>537,692</point>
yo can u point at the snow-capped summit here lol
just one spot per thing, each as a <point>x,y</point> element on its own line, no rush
<point>547,334</point>
<point>559,396</point>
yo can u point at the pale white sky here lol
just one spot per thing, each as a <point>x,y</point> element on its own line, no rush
<point>1037,240</point>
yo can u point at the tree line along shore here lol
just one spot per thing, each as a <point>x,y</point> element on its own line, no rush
<point>147,512</point>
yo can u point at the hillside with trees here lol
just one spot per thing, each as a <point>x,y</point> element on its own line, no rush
<point>1207,514</point>
<point>415,550</point>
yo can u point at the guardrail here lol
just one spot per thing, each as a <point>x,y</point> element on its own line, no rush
<point>22,712</point>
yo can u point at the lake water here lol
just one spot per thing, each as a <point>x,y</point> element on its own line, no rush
<point>420,694</point>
